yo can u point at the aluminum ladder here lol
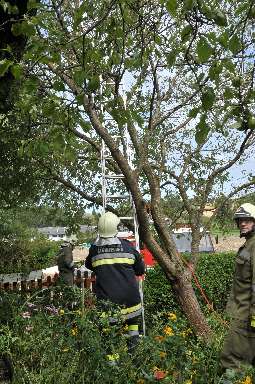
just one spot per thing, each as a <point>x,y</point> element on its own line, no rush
<point>108,178</point>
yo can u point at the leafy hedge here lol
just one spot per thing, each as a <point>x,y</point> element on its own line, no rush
<point>25,255</point>
<point>214,273</point>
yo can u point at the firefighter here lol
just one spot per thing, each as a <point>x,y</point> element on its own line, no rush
<point>65,263</point>
<point>239,346</point>
<point>116,264</point>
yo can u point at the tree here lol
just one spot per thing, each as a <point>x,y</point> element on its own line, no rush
<point>189,72</point>
<point>13,14</point>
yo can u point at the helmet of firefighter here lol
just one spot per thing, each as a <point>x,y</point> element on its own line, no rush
<point>107,225</point>
<point>68,243</point>
<point>245,211</point>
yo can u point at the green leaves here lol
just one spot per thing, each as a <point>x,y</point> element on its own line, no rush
<point>171,6</point>
<point>228,93</point>
<point>171,58</point>
<point>4,66</point>
<point>94,83</point>
<point>16,70</point>
<point>204,50</point>
<point>186,32</point>
<point>207,98</point>
<point>235,44</point>
<point>202,130</point>
<point>251,122</point>
<point>194,112</point>
<point>59,86</point>
<point>220,18</point>
<point>79,77</point>
<point>24,28</point>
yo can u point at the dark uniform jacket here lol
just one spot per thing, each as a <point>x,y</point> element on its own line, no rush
<point>116,263</point>
<point>241,304</point>
<point>65,264</point>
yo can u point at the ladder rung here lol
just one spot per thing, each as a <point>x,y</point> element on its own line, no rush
<point>114,176</point>
<point>117,196</point>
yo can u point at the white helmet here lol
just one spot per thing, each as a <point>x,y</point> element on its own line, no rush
<point>107,225</point>
<point>245,211</point>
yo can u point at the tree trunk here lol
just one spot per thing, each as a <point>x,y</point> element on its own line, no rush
<point>188,301</point>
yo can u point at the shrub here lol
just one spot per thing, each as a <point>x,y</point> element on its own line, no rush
<point>25,255</point>
<point>215,275</point>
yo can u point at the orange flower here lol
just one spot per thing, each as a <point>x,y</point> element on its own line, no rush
<point>158,375</point>
<point>159,338</point>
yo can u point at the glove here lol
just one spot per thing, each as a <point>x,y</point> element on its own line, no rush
<point>253,321</point>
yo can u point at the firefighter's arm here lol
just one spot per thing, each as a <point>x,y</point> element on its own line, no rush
<point>139,265</point>
<point>88,261</point>
<point>253,287</point>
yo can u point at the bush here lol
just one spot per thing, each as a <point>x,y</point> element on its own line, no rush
<point>214,273</point>
<point>43,253</point>
<point>24,255</point>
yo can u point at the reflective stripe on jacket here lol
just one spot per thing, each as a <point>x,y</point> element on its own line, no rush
<point>116,263</point>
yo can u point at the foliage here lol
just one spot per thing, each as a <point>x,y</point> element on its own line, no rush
<point>200,59</point>
<point>214,273</point>
<point>50,337</point>
<point>188,111</point>
<point>22,249</point>
<point>12,46</point>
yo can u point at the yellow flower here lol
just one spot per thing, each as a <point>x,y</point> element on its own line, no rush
<point>140,381</point>
<point>172,316</point>
<point>65,349</point>
<point>74,331</point>
<point>61,312</point>
<point>113,357</point>
<point>106,330</point>
<point>185,333</point>
<point>78,312</point>
<point>188,382</point>
<point>247,380</point>
<point>193,373</point>
<point>168,331</point>
<point>162,354</point>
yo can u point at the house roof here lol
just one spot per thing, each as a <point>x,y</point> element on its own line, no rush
<point>62,230</point>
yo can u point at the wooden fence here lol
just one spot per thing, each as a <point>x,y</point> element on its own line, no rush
<point>36,280</point>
